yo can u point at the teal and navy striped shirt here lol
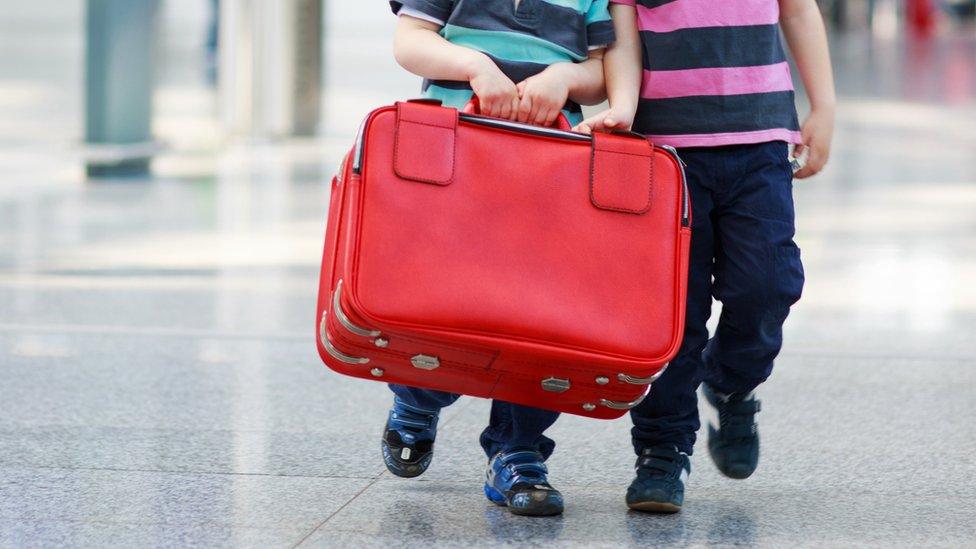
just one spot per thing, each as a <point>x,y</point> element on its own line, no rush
<point>522,37</point>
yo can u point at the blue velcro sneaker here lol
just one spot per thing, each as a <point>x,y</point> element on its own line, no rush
<point>517,480</point>
<point>660,483</point>
<point>408,439</point>
<point>733,444</point>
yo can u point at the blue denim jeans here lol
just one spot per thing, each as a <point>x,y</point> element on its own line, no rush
<point>742,254</point>
<point>510,425</point>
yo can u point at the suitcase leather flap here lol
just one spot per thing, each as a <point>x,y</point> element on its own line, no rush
<point>621,173</point>
<point>425,143</point>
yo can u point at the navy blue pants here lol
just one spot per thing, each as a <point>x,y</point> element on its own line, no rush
<point>510,425</point>
<point>742,254</point>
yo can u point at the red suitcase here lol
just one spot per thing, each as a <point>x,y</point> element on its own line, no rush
<point>496,259</point>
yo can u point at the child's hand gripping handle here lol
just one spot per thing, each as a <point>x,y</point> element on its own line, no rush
<point>474,107</point>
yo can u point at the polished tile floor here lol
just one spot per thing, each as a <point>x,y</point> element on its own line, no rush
<point>159,383</point>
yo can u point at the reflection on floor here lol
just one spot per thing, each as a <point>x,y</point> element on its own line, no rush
<point>160,384</point>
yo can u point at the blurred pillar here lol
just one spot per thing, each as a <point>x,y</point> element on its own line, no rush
<point>270,66</point>
<point>118,86</point>
<point>837,11</point>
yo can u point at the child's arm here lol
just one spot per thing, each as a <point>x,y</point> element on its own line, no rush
<point>804,31</point>
<point>623,69</point>
<point>544,95</point>
<point>419,49</point>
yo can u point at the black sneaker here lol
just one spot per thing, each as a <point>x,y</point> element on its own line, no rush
<point>408,439</point>
<point>660,484</point>
<point>734,442</point>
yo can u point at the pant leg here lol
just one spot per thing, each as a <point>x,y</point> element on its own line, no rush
<point>425,399</point>
<point>510,426</point>
<point>515,426</point>
<point>758,274</point>
<point>670,412</point>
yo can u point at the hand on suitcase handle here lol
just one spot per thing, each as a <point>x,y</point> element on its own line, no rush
<point>474,107</point>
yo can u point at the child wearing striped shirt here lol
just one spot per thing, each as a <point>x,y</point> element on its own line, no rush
<point>525,60</point>
<point>712,79</point>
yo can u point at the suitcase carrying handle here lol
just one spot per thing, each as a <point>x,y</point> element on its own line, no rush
<point>425,150</point>
<point>474,107</point>
<point>621,173</point>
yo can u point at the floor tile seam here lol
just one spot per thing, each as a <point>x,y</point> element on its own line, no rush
<point>148,331</point>
<point>886,356</point>
<point>35,428</point>
<point>157,331</point>
<point>466,402</point>
<point>472,537</point>
<point>26,468</point>
<point>32,429</point>
<point>384,475</point>
<point>324,521</point>
<point>622,487</point>
<point>238,281</point>
<point>144,523</point>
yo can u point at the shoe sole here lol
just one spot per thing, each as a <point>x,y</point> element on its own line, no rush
<point>736,471</point>
<point>655,507</point>
<point>547,510</point>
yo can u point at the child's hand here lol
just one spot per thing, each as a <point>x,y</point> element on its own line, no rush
<point>496,93</point>
<point>610,119</point>
<point>817,131</point>
<point>542,97</point>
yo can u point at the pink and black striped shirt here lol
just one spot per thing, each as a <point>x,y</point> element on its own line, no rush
<point>715,73</point>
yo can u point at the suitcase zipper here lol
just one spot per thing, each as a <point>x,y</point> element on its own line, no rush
<point>685,199</point>
<point>357,157</point>
<point>523,128</point>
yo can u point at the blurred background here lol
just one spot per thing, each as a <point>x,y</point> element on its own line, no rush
<point>164,169</point>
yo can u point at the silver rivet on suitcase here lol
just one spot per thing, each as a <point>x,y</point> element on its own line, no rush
<point>555,385</point>
<point>377,372</point>
<point>589,407</point>
<point>602,380</point>
<point>425,362</point>
<point>381,342</point>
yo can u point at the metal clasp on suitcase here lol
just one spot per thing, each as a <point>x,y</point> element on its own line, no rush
<point>624,405</point>
<point>330,348</point>
<point>423,362</point>
<point>624,378</point>
<point>642,380</point>
<point>589,406</point>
